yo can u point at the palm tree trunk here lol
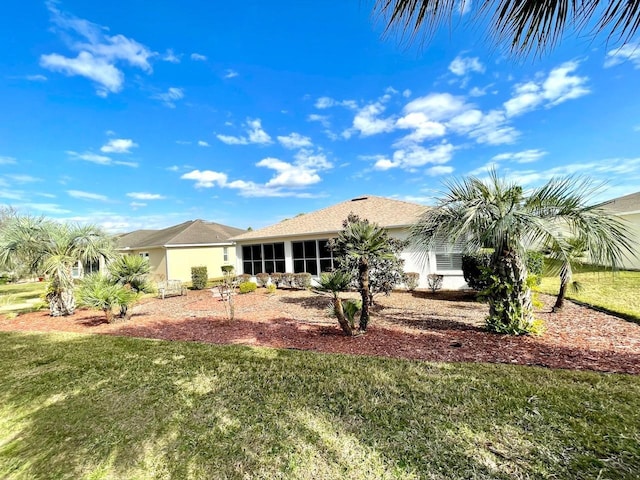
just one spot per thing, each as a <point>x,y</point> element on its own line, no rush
<point>363,277</point>
<point>565,278</point>
<point>62,304</point>
<point>342,320</point>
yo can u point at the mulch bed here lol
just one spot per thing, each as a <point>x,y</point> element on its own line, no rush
<point>443,327</point>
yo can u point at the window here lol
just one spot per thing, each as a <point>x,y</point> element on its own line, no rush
<point>268,258</point>
<point>144,255</point>
<point>312,256</point>
<point>449,261</point>
<point>225,254</point>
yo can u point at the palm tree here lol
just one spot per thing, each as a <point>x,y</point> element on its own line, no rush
<point>567,255</point>
<point>524,25</point>
<point>131,272</point>
<point>101,292</point>
<point>334,283</point>
<point>53,249</point>
<point>361,241</point>
<point>500,215</point>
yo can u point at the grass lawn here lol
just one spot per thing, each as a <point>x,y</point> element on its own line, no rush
<point>20,297</point>
<point>617,292</point>
<point>80,406</point>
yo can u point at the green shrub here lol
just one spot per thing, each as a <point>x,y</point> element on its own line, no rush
<point>199,277</point>
<point>262,278</point>
<point>535,265</point>
<point>276,278</point>
<point>411,280</point>
<point>226,269</point>
<point>476,270</point>
<point>302,280</point>
<point>247,287</point>
<point>244,277</point>
<point>271,288</point>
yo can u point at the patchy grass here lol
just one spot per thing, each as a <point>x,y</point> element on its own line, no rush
<point>21,297</point>
<point>615,292</point>
<point>94,407</point>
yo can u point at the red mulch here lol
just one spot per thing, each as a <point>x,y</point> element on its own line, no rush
<point>444,327</point>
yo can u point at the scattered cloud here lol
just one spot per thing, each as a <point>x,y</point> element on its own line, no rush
<point>87,195</point>
<point>172,95</point>
<point>406,93</point>
<point>254,134</point>
<point>526,156</point>
<point>626,53</point>
<point>229,73</point>
<point>47,208</point>
<point>7,160</point>
<point>202,143</point>
<point>136,205</point>
<point>321,119</point>
<point>23,178</point>
<point>146,196</point>
<point>328,102</point>
<point>183,142</point>
<point>416,156</point>
<point>368,122</point>
<point>118,145</point>
<point>559,86</point>
<point>294,140</point>
<point>198,57</point>
<point>171,57</point>
<point>464,65</point>
<point>36,78</point>
<point>99,55</point>
<point>99,159</point>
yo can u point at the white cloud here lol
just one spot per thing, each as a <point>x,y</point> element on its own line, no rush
<point>183,142</point>
<point>87,195</point>
<point>288,175</point>
<point>105,74</point>
<point>255,134</point>
<point>145,196</point>
<point>198,57</point>
<point>368,123</point>
<point>202,143</point>
<point>437,106</point>
<point>23,178</point>
<point>169,98</point>
<point>7,160</point>
<point>321,119</point>
<point>98,54</point>
<point>416,156</point>
<point>406,93</point>
<point>118,145</point>
<point>440,170</point>
<point>422,128</point>
<point>526,156</point>
<point>559,86</point>
<point>48,208</point>
<point>98,159</point>
<point>206,178</point>
<point>171,57</point>
<point>136,205</point>
<point>627,53</point>
<point>229,73</point>
<point>36,78</point>
<point>294,140</point>
<point>328,102</point>
<point>463,65</point>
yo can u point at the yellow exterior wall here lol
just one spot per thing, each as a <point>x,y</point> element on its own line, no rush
<point>157,262</point>
<point>181,259</point>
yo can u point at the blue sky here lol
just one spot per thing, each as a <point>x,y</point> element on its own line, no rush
<point>132,116</point>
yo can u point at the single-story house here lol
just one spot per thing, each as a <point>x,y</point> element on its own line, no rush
<point>174,250</point>
<point>299,244</point>
<point>628,209</point>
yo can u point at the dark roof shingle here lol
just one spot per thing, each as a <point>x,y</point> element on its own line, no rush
<point>193,232</point>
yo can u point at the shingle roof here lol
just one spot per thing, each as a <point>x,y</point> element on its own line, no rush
<point>386,212</point>
<point>193,232</point>
<point>628,203</point>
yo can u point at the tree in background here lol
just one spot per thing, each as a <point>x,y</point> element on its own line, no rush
<point>524,26</point>
<point>564,257</point>
<point>53,249</point>
<point>500,215</point>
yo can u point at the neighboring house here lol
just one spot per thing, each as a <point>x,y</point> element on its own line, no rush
<point>628,208</point>
<point>299,244</point>
<point>174,250</point>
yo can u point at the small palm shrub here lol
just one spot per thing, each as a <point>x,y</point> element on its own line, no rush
<point>199,277</point>
<point>262,278</point>
<point>247,287</point>
<point>132,270</point>
<point>412,280</point>
<point>100,292</point>
<point>351,307</point>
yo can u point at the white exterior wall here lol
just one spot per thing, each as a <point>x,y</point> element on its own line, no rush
<point>415,260</point>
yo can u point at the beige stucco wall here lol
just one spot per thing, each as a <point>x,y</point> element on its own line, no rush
<point>181,259</point>
<point>633,222</point>
<point>157,262</point>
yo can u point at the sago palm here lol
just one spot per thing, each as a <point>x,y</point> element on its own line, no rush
<point>53,249</point>
<point>500,215</point>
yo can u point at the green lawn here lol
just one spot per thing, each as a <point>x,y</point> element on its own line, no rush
<point>20,297</point>
<point>80,406</point>
<point>618,292</point>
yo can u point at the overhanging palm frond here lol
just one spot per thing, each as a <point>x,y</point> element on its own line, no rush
<point>523,26</point>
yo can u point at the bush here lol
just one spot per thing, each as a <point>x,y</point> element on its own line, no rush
<point>434,281</point>
<point>247,287</point>
<point>302,280</point>
<point>276,278</point>
<point>288,280</point>
<point>242,278</point>
<point>262,278</point>
<point>535,265</point>
<point>199,277</point>
<point>271,288</point>
<point>475,268</point>
<point>412,280</point>
<point>226,269</point>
